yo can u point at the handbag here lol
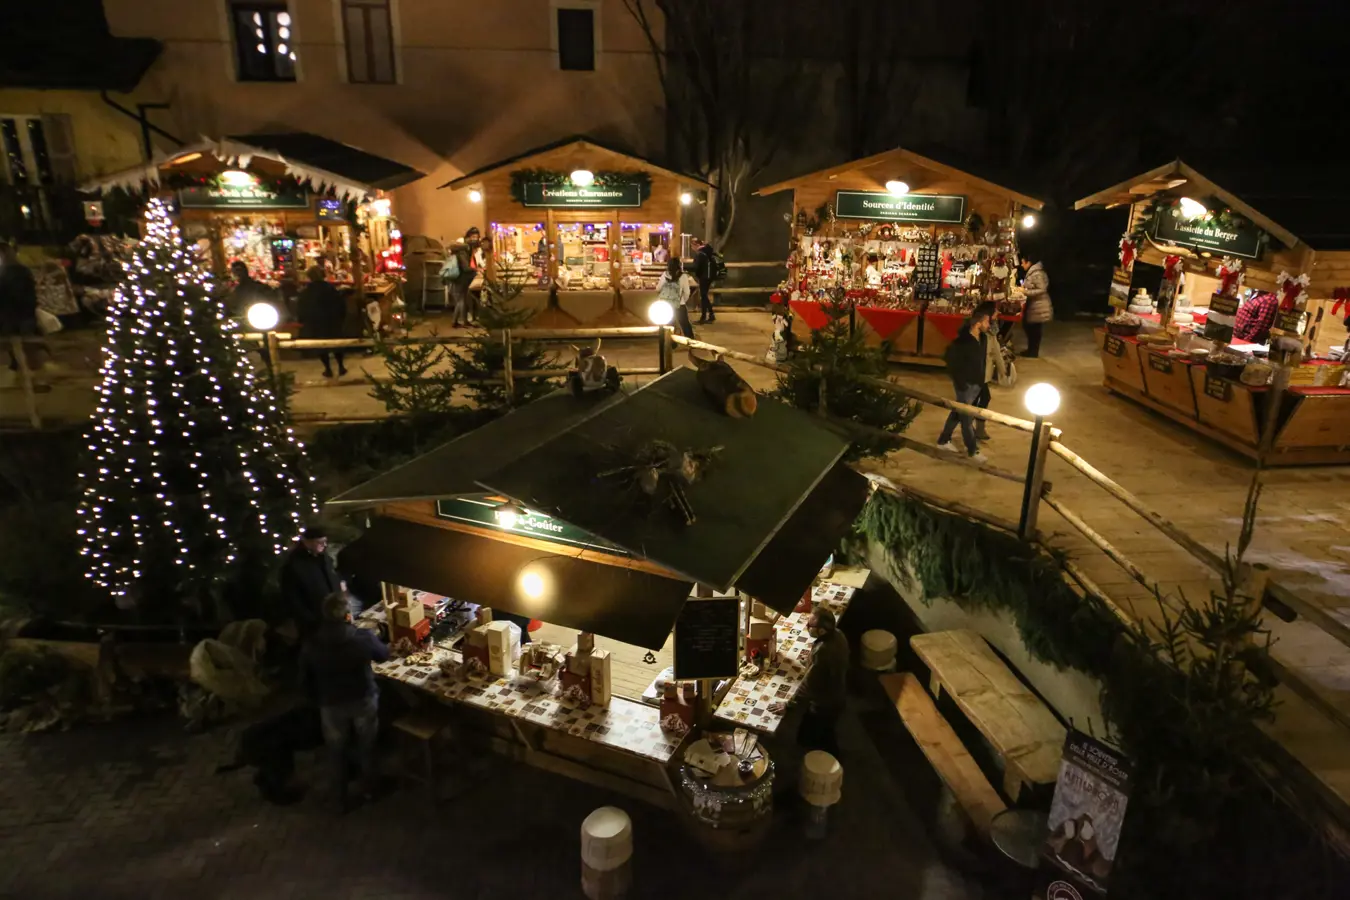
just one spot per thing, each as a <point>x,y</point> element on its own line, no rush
<point>1007,375</point>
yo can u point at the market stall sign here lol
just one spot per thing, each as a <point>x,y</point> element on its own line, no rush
<point>243,194</point>
<point>1224,306</point>
<point>565,196</point>
<point>1291,323</point>
<point>1114,346</point>
<point>707,638</point>
<point>1218,388</point>
<point>483,512</point>
<point>883,207</point>
<point>1160,364</point>
<point>1237,240</point>
<point>1088,809</point>
<point>329,211</point>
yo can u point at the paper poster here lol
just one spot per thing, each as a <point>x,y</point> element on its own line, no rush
<point>1088,809</point>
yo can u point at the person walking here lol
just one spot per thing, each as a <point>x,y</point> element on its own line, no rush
<point>1038,309</point>
<point>826,688</point>
<point>705,269</point>
<point>677,288</point>
<point>335,670</point>
<point>966,358</point>
<point>462,277</point>
<point>993,364</point>
<point>322,312</point>
<point>307,577</point>
<point>18,300</point>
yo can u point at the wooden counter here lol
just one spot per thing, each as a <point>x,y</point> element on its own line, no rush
<point>1313,426</point>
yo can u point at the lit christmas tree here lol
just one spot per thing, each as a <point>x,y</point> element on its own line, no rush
<point>194,481</point>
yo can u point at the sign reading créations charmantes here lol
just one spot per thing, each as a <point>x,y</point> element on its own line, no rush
<point>1243,240</point>
<point>483,512</point>
<point>882,207</point>
<point>569,195</point>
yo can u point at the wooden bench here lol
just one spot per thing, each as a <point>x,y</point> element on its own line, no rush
<point>948,756</point>
<point>1023,731</point>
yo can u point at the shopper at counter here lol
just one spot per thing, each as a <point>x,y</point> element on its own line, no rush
<point>705,270</point>
<point>677,288</point>
<point>826,687</point>
<point>335,668</point>
<point>307,577</point>
<point>1255,318</point>
<point>463,277</point>
<point>1038,309</point>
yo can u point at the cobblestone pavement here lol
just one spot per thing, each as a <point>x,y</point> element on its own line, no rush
<point>135,810</point>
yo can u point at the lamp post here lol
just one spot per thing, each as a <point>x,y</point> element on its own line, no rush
<point>660,314</point>
<point>1041,400</point>
<point>263,317</point>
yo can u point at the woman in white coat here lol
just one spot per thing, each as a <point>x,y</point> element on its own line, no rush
<point>1038,310</point>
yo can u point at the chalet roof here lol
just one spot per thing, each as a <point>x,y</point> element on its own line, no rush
<point>579,141</point>
<point>879,161</point>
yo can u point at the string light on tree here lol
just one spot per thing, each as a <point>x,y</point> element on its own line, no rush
<point>193,479</point>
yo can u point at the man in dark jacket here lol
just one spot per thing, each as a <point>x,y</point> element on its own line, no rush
<point>966,367</point>
<point>826,688</point>
<point>18,298</point>
<point>335,668</point>
<point>459,288</point>
<point>307,577</point>
<point>322,312</point>
<point>705,268</point>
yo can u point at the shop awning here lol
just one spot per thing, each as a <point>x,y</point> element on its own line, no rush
<point>457,467</point>
<point>785,569</point>
<point>621,603</point>
<point>767,468</point>
<point>347,183</point>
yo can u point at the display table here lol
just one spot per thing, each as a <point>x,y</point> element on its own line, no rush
<point>747,701</point>
<point>1312,426</point>
<point>920,338</point>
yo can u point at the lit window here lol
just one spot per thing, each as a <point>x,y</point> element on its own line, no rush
<point>261,32</point>
<point>368,27</point>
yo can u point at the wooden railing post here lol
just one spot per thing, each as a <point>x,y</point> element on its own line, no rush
<point>507,374</point>
<point>20,352</point>
<point>1035,481</point>
<point>665,349</point>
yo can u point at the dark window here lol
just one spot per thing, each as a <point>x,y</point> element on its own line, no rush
<point>370,41</point>
<point>264,44</point>
<point>576,40</point>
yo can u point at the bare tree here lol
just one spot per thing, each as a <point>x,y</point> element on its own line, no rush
<point>726,71</point>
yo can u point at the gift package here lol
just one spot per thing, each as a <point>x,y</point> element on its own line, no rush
<point>407,619</point>
<point>761,642</point>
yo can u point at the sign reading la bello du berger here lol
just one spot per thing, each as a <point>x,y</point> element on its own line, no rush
<point>883,207</point>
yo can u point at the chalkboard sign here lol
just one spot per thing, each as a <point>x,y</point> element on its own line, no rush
<point>927,273</point>
<point>1217,331</point>
<point>1291,323</point>
<point>1218,388</point>
<point>1160,364</point>
<point>1224,306</point>
<point>1114,346</point>
<point>707,638</point>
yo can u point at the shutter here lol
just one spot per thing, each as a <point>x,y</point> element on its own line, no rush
<point>60,147</point>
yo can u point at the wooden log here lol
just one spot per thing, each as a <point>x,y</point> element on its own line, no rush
<point>930,450</point>
<point>1188,543</point>
<point>1089,586</point>
<point>973,411</point>
<point>726,387</point>
<point>692,345</point>
<point>1102,543</point>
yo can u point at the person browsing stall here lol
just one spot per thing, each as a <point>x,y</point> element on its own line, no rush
<point>676,287</point>
<point>307,577</point>
<point>966,360</point>
<point>322,312</point>
<point>336,673</point>
<point>1039,310</point>
<point>826,689</point>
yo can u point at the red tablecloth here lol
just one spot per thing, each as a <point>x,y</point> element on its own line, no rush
<point>947,324</point>
<point>811,313</point>
<point>887,323</point>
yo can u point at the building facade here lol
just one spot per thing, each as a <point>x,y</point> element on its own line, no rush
<point>444,86</point>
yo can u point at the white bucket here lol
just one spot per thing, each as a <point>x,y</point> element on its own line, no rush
<point>878,650</point>
<point>606,839</point>
<point>822,779</point>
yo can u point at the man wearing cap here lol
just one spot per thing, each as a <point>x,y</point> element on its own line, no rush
<point>826,685</point>
<point>307,577</point>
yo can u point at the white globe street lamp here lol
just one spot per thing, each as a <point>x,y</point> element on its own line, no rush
<point>898,188</point>
<point>262,316</point>
<point>583,177</point>
<point>1041,400</point>
<point>660,312</point>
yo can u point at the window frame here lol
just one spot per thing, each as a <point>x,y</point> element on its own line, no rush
<point>597,43</point>
<point>391,11</point>
<point>238,51</point>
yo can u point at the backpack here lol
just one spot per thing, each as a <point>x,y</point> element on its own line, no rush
<point>718,266</point>
<point>671,293</point>
<point>450,271</point>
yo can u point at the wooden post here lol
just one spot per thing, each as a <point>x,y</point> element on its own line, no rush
<point>20,352</point>
<point>274,352</point>
<point>1035,483</point>
<point>507,372</point>
<point>665,349</point>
